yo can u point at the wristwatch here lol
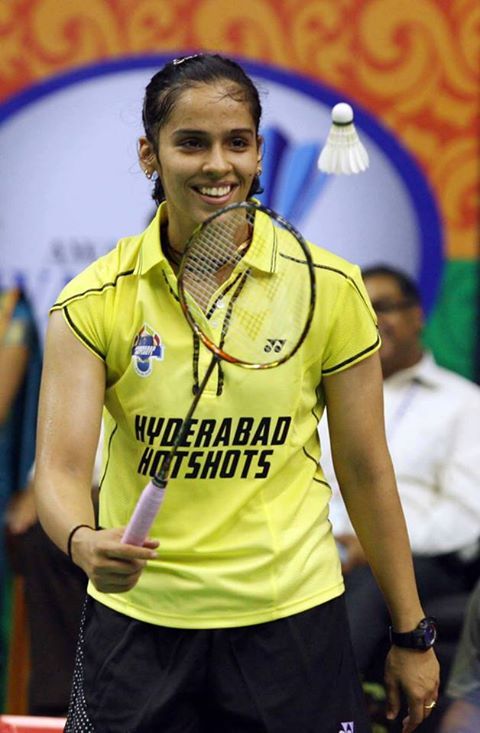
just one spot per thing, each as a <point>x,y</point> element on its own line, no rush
<point>421,638</point>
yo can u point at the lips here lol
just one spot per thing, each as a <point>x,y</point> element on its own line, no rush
<point>215,191</point>
<point>221,192</point>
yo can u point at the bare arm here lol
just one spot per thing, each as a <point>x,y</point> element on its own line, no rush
<point>70,409</point>
<point>365,474</point>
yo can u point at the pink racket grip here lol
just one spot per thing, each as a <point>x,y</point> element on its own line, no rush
<point>144,515</point>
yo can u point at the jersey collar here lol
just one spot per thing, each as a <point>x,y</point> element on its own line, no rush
<point>151,252</point>
<point>261,254</point>
<point>263,251</point>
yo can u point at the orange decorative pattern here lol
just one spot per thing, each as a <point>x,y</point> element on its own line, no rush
<point>414,64</point>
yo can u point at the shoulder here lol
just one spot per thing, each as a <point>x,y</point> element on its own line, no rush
<point>330,264</point>
<point>335,271</point>
<point>338,278</point>
<point>104,274</point>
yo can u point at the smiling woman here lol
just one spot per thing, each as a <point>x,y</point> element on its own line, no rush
<point>206,155</point>
<point>202,141</point>
<point>231,615</point>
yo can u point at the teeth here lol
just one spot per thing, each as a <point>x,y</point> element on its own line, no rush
<point>220,191</point>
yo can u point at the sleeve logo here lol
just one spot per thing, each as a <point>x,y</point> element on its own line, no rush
<point>147,345</point>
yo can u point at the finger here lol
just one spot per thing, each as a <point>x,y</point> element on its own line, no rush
<point>406,724</point>
<point>127,552</point>
<point>152,544</point>
<point>119,567</point>
<point>113,585</point>
<point>431,699</point>
<point>415,715</point>
<point>114,578</point>
<point>118,533</point>
<point>429,707</point>
<point>393,700</point>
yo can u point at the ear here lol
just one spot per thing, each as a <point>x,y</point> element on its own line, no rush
<point>260,149</point>
<point>147,157</point>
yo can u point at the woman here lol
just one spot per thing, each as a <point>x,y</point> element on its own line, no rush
<point>234,618</point>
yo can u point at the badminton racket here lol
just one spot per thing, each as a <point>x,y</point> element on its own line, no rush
<point>246,285</point>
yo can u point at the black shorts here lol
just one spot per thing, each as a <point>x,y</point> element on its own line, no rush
<point>294,675</point>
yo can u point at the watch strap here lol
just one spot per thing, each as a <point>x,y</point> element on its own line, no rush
<point>423,637</point>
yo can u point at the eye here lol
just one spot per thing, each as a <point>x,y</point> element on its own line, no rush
<point>239,143</point>
<point>191,143</point>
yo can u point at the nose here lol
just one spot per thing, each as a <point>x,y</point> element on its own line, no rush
<point>216,162</point>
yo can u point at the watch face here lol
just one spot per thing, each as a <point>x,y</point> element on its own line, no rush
<point>429,632</point>
<point>421,638</point>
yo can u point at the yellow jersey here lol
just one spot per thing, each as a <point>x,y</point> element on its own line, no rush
<point>244,531</point>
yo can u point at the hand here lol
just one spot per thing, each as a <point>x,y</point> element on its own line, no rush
<point>354,554</point>
<point>113,567</point>
<point>417,674</point>
<point>21,513</point>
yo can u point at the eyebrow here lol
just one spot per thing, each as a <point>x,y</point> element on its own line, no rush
<point>236,131</point>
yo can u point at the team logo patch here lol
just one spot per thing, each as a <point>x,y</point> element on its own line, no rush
<point>347,727</point>
<point>147,346</point>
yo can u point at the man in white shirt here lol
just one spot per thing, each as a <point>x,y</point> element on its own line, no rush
<point>432,419</point>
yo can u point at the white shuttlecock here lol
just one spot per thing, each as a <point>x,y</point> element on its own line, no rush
<point>343,152</point>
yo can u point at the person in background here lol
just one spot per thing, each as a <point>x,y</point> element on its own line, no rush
<point>231,616</point>
<point>463,688</point>
<point>55,591</point>
<point>432,419</point>
<point>20,365</point>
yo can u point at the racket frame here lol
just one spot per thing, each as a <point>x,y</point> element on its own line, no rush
<point>182,294</point>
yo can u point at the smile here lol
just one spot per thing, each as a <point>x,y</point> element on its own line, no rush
<point>215,191</point>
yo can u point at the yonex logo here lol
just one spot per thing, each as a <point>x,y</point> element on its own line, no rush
<point>347,727</point>
<point>274,345</point>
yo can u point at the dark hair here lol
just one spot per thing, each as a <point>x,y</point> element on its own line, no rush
<point>167,84</point>
<point>408,286</point>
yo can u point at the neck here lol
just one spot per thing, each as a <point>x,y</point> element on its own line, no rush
<point>173,255</point>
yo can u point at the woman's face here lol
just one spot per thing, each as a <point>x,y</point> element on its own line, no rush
<point>208,155</point>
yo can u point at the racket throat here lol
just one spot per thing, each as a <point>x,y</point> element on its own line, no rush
<point>198,388</point>
<point>160,480</point>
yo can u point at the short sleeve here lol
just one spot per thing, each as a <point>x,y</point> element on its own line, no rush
<point>85,302</point>
<point>353,333</point>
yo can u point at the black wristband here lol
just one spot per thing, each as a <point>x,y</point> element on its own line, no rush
<point>70,538</point>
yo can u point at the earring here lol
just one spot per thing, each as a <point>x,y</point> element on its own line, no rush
<point>148,174</point>
<point>259,171</point>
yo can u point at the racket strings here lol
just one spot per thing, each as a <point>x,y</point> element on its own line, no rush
<point>214,255</point>
<point>228,316</point>
<point>251,314</point>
